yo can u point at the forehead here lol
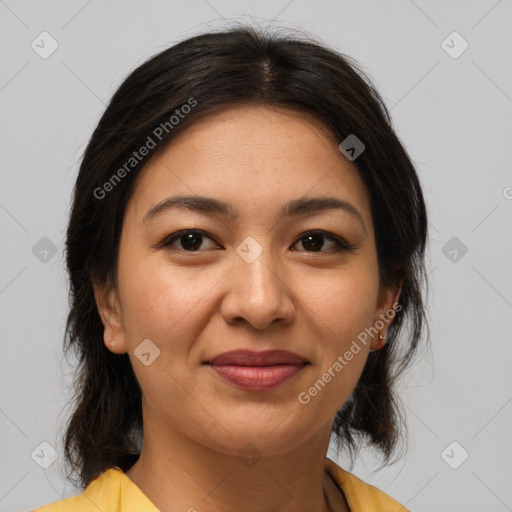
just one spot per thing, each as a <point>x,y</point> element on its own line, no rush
<point>255,158</point>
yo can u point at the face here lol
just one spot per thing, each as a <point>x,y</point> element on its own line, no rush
<point>200,280</point>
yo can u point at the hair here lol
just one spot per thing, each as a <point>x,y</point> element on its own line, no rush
<point>214,71</point>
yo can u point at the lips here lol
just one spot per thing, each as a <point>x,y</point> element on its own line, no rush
<point>252,358</point>
<point>257,371</point>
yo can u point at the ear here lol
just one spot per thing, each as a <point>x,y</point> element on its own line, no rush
<point>107,302</point>
<point>387,305</point>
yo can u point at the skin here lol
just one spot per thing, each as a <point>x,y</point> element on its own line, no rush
<point>194,305</point>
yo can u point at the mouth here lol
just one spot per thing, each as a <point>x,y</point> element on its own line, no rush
<point>252,358</point>
<point>257,371</point>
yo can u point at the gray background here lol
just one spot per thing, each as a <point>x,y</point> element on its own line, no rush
<point>454,116</point>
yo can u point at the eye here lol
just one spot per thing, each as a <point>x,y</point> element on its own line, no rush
<point>190,240</point>
<point>313,241</point>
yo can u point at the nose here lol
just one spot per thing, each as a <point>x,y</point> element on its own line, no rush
<point>259,293</point>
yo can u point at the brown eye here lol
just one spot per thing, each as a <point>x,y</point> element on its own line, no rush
<point>188,240</point>
<point>314,241</point>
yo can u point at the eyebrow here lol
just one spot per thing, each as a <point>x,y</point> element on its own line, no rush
<point>209,205</point>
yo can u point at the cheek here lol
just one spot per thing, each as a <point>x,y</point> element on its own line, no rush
<point>341,311</point>
<point>342,305</point>
<point>161,302</point>
<point>344,300</point>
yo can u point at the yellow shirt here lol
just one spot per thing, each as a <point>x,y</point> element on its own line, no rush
<point>113,491</point>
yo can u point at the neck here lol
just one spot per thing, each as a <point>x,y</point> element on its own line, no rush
<point>177,473</point>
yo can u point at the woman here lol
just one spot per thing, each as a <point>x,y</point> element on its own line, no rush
<point>246,245</point>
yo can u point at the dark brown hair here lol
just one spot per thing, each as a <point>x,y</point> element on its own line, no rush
<point>214,71</point>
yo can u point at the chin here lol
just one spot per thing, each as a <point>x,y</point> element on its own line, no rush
<point>254,440</point>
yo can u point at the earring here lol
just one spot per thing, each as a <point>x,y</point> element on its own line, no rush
<point>112,342</point>
<point>380,338</point>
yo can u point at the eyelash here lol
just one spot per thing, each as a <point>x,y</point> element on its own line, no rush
<point>341,245</point>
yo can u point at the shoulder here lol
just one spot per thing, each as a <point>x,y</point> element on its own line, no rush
<point>112,491</point>
<point>360,496</point>
<point>74,503</point>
